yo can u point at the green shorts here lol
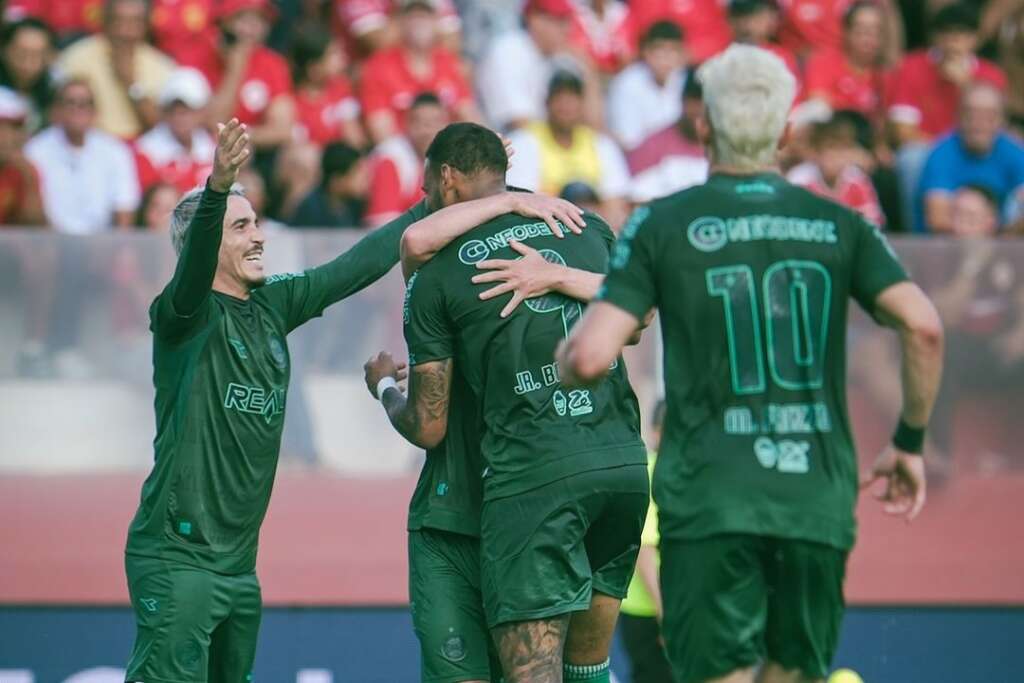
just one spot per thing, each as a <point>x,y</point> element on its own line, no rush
<point>193,626</point>
<point>734,600</point>
<point>544,551</point>
<point>447,609</point>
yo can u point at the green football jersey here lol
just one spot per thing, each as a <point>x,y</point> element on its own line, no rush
<point>450,488</point>
<point>534,430</point>
<point>752,278</point>
<point>221,369</point>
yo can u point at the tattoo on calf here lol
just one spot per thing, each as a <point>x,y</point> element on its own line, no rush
<point>531,651</point>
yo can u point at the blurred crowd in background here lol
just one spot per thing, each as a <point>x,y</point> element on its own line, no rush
<point>909,112</point>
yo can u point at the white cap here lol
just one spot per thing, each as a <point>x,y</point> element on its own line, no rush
<point>185,85</point>
<point>12,106</point>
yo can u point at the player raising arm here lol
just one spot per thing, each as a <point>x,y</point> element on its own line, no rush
<point>756,479</point>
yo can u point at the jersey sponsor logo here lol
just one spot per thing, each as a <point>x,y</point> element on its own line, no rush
<point>255,400</point>
<point>282,277</point>
<point>475,251</point>
<point>710,233</point>
<point>150,604</point>
<point>239,348</point>
<point>786,456</point>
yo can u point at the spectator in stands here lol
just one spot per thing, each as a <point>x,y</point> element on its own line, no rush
<point>979,152</point>
<point>179,149</point>
<point>836,168</point>
<point>974,211</point>
<point>562,149</point>
<point>396,165</point>
<point>926,90</point>
<point>812,25</point>
<point>87,176</point>
<point>582,195</point>
<point>125,73</point>
<point>703,22</point>
<point>644,97</point>
<point>392,77</point>
<point>326,108</point>
<point>340,200</point>
<point>1009,23</point>
<point>20,202</point>
<point>26,53</point>
<point>364,25</point>
<point>854,77</point>
<point>928,83</point>
<point>184,29</point>
<point>69,19</point>
<point>756,22</point>
<point>671,159</point>
<point>158,201</point>
<point>602,29</point>
<point>250,81</point>
<point>512,78</point>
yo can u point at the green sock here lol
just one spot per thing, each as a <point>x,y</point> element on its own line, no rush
<point>594,673</point>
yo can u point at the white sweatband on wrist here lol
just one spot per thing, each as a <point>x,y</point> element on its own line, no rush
<point>384,384</point>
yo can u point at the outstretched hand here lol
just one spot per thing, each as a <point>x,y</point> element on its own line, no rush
<point>552,210</point>
<point>905,486</point>
<point>526,277</point>
<point>232,151</point>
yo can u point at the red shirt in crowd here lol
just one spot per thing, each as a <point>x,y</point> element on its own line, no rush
<point>606,40</point>
<point>319,117</point>
<point>809,25</point>
<point>14,188</point>
<point>389,85</point>
<point>396,180</point>
<point>830,76</point>
<point>921,95</point>
<point>159,157</point>
<point>65,17</point>
<point>704,23</point>
<point>853,189</point>
<point>786,56</point>
<point>354,18</point>
<point>184,29</point>
<point>266,77</point>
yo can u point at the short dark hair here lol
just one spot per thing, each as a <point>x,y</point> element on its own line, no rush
<point>692,88</point>
<point>309,43</point>
<point>338,159</point>
<point>744,8</point>
<point>959,16</point>
<point>565,81</point>
<point>661,30</point>
<point>848,124</point>
<point>468,148</point>
<point>108,8</point>
<point>990,196</point>
<point>426,99</point>
<point>34,23</point>
<point>851,12</point>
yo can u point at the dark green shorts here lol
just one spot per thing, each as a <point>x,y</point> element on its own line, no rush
<point>734,600</point>
<point>447,608</point>
<point>544,551</point>
<point>193,626</point>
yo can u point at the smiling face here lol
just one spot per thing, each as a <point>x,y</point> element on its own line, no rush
<point>240,259</point>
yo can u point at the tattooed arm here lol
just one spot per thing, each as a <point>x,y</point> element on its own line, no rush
<point>422,417</point>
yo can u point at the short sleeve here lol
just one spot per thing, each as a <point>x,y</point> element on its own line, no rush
<point>937,174</point>
<point>875,267</point>
<point>631,282</point>
<point>428,331</point>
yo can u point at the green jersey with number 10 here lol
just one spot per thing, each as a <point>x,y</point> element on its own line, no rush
<point>752,277</point>
<point>535,430</point>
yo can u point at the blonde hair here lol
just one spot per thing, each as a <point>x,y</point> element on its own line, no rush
<point>185,211</point>
<point>748,93</point>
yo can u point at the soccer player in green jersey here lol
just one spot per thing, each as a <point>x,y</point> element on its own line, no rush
<point>756,478</point>
<point>565,485</point>
<point>221,371</point>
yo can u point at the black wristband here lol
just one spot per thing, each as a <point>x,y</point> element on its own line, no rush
<point>909,439</point>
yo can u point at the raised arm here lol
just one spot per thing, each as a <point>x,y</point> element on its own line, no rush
<point>596,341</point>
<point>197,262</point>
<point>422,417</point>
<point>905,308</point>
<point>430,235</point>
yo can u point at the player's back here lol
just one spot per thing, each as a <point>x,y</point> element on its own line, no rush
<point>752,278</point>
<point>536,431</point>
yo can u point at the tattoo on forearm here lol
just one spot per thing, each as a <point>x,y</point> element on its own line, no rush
<point>531,651</point>
<point>429,388</point>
